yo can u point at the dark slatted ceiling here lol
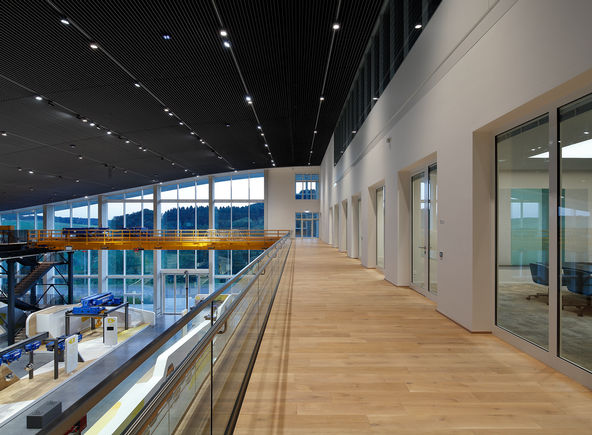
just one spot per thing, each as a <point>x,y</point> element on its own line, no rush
<point>281,48</point>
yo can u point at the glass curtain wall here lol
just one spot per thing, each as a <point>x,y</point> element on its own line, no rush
<point>307,186</point>
<point>380,228</point>
<point>523,231</point>
<point>238,204</point>
<point>80,214</point>
<point>399,25</point>
<point>129,272</point>
<point>575,232</point>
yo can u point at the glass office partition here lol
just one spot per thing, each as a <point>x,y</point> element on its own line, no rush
<point>575,232</point>
<point>380,227</point>
<point>433,228</point>
<point>523,230</point>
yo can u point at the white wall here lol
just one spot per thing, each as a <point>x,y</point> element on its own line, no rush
<point>281,204</point>
<point>475,62</point>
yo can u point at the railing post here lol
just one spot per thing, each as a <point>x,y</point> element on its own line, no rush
<point>10,315</point>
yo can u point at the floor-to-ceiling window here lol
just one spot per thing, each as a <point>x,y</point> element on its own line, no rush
<point>380,227</point>
<point>238,204</point>
<point>575,232</point>
<point>129,272</point>
<point>523,231</point>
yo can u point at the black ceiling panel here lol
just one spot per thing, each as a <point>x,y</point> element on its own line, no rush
<point>281,49</point>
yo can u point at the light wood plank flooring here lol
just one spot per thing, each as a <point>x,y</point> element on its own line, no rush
<point>347,352</point>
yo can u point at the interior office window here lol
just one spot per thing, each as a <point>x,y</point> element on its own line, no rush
<point>575,232</point>
<point>523,231</point>
<point>307,186</point>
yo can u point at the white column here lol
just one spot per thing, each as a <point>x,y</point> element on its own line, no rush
<point>157,254</point>
<point>103,253</point>
<point>211,252</point>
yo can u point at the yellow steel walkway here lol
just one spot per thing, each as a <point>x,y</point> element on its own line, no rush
<point>80,239</point>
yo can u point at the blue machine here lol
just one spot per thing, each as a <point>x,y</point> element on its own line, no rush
<point>11,356</point>
<point>61,342</point>
<point>30,347</point>
<point>96,304</point>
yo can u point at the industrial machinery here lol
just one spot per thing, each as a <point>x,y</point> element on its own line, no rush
<point>95,304</point>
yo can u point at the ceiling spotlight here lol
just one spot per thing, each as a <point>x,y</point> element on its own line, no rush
<point>586,132</point>
<point>140,147</point>
<point>137,85</point>
<point>31,172</point>
<point>226,44</point>
<point>80,157</point>
<point>19,169</point>
<point>418,26</point>
<point>166,109</point>
<point>92,124</point>
<point>77,181</point>
<point>186,170</point>
<point>145,149</point>
<point>227,124</point>
<point>180,123</point>
<point>273,164</point>
<point>109,132</point>
<point>311,151</point>
<point>38,98</point>
<point>315,132</point>
<point>72,145</point>
<point>166,36</point>
<point>269,152</point>
<point>354,131</point>
<point>202,141</point>
<point>220,157</point>
<point>64,21</point>
<point>4,133</point>
<point>258,127</point>
<point>262,134</point>
<point>322,98</point>
<point>375,98</point>
<point>84,120</point>
<point>336,26</point>
<point>172,163</point>
<point>171,113</point>
<point>127,141</point>
<point>125,171</point>
<point>266,146</point>
<point>223,33</point>
<point>248,99</point>
<point>94,45</point>
<point>193,133</point>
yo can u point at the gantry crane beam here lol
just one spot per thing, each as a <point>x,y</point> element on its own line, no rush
<point>82,239</point>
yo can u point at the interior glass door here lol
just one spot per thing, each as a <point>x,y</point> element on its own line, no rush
<point>380,228</point>
<point>424,230</point>
<point>181,289</point>
<point>418,230</point>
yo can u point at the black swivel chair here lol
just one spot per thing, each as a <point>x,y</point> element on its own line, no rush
<point>578,281</point>
<point>540,275</point>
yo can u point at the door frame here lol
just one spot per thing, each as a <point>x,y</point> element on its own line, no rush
<point>179,272</point>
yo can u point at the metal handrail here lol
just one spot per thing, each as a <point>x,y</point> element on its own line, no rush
<point>161,395</point>
<point>82,406</point>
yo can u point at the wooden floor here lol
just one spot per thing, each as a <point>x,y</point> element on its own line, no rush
<point>347,352</point>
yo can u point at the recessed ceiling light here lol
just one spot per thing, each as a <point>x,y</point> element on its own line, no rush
<point>418,26</point>
<point>80,157</point>
<point>77,181</point>
<point>586,132</point>
<point>193,133</point>
<point>226,44</point>
<point>171,113</point>
<point>322,98</point>
<point>166,109</point>
<point>273,164</point>
<point>262,134</point>
<point>248,98</point>
<point>19,169</point>
<point>64,21</point>
<point>31,172</point>
<point>202,141</point>
<point>311,151</point>
<point>85,196</point>
<point>166,36</point>
<point>354,131</point>
<point>84,120</point>
<point>109,132</point>
<point>269,153</point>
<point>137,85</point>
<point>72,145</point>
<point>38,98</point>
<point>180,123</point>
<point>94,45</point>
<point>259,127</point>
<point>223,33</point>
<point>266,146</point>
<point>140,147</point>
<point>220,157</point>
<point>227,124</point>
<point>145,149</point>
<point>186,170</point>
<point>172,163</point>
<point>375,98</point>
<point>92,124</point>
<point>315,132</point>
<point>127,141</point>
<point>336,26</point>
<point>4,133</point>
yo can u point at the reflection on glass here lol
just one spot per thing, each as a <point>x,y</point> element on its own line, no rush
<point>418,242</point>
<point>433,227</point>
<point>380,227</point>
<point>523,231</point>
<point>575,235</point>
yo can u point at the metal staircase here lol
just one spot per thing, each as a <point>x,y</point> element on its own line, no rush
<point>33,277</point>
